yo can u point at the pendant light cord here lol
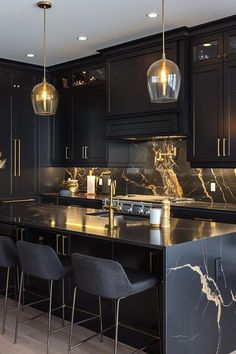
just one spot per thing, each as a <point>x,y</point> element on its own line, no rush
<point>163,30</point>
<point>44,45</point>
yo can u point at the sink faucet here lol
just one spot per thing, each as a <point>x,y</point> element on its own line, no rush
<point>111,207</point>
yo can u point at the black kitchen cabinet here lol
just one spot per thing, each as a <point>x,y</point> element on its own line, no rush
<point>88,145</point>
<point>24,142</point>
<point>18,134</point>
<point>212,141</point>
<point>60,123</point>
<point>78,130</point>
<point>128,82</point>
<point>214,47</point>
<point>12,78</point>
<point>5,145</point>
<point>207,108</point>
<point>130,113</point>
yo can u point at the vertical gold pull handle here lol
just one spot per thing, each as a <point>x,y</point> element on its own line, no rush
<point>224,146</point>
<point>63,246</point>
<point>82,152</point>
<point>67,152</point>
<point>14,157</point>
<point>218,147</point>
<point>19,158</point>
<point>86,152</point>
<point>58,236</point>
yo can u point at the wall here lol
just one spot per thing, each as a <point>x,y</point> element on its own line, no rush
<point>167,174</point>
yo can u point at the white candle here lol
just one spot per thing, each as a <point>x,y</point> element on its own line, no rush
<point>155,217</point>
<point>90,184</point>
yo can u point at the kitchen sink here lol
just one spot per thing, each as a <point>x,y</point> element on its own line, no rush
<point>105,214</point>
<point>101,219</point>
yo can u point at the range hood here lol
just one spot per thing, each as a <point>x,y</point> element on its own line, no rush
<point>145,127</point>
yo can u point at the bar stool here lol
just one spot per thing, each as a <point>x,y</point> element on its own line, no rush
<point>108,279</point>
<point>42,262</point>
<point>8,260</point>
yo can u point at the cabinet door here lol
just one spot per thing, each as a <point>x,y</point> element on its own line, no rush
<point>24,131</point>
<point>96,126</point>
<point>23,80</point>
<point>5,78</point>
<point>128,94</point>
<point>207,50</point>
<point>5,146</point>
<point>79,125</point>
<point>60,126</point>
<point>229,144</point>
<point>207,113</point>
<point>230,45</point>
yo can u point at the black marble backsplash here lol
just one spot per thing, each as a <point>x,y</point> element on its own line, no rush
<point>161,168</point>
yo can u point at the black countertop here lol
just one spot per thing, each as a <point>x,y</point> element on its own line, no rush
<point>191,204</point>
<point>136,231</point>
<point>79,195</point>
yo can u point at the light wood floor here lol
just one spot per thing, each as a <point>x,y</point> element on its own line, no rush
<point>32,337</point>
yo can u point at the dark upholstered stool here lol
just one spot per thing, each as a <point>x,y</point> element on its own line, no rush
<point>42,262</point>
<point>8,260</point>
<point>108,279</point>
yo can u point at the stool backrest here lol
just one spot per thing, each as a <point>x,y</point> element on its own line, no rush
<point>100,277</point>
<point>39,260</point>
<point>8,254</point>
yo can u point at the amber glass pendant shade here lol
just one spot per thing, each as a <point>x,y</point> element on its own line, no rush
<point>45,99</point>
<point>44,96</point>
<point>163,80</point>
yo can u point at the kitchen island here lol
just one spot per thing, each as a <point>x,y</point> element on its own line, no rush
<point>195,261</point>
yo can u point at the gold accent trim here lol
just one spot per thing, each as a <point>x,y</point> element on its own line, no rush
<point>218,147</point>
<point>19,157</point>
<point>18,200</point>
<point>224,146</point>
<point>44,4</point>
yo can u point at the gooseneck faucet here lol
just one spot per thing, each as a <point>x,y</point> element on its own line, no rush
<point>111,207</point>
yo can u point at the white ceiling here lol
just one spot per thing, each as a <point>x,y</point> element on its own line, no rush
<point>104,22</point>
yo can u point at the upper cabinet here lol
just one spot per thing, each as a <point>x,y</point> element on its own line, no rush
<point>214,48</point>
<point>213,130</point>
<point>130,113</point>
<point>88,144</point>
<point>16,80</point>
<point>127,82</point>
<point>78,129</point>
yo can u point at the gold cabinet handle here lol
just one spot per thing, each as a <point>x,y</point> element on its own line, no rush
<point>86,152</point>
<point>19,158</point>
<point>14,157</point>
<point>82,152</point>
<point>58,251</point>
<point>218,147</point>
<point>64,253</point>
<point>67,152</point>
<point>224,146</point>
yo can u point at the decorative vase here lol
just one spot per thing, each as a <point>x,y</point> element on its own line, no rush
<point>65,192</point>
<point>73,185</point>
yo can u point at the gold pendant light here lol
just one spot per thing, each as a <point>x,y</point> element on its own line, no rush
<point>163,76</point>
<point>44,96</point>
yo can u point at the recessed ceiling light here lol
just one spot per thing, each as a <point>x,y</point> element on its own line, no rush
<point>82,38</point>
<point>30,55</point>
<point>206,44</point>
<point>152,14</point>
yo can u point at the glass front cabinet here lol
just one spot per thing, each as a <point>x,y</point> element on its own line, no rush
<point>213,49</point>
